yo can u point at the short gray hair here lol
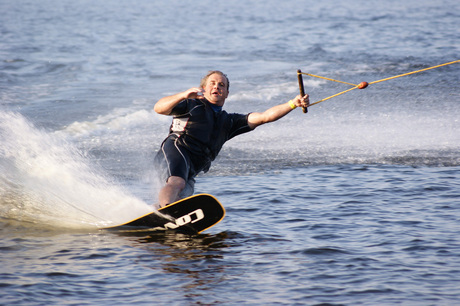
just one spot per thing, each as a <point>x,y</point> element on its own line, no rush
<point>205,78</point>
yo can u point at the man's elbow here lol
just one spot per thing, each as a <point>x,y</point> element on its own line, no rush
<point>160,110</point>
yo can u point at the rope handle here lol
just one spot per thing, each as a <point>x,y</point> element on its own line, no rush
<point>301,89</point>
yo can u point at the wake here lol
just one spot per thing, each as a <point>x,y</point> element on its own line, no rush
<point>45,180</point>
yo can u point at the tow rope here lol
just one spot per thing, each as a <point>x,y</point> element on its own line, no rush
<point>361,85</point>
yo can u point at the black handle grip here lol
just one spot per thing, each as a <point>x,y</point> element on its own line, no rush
<point>301,88</point>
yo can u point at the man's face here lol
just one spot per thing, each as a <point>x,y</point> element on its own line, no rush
<point>215,90</point>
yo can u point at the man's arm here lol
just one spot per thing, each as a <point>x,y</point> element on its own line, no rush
<point>165,105</point>
<point>276,112</point>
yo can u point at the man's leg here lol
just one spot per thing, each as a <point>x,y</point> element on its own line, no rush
<point>171,191</point>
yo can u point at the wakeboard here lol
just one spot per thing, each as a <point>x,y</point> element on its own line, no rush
<point>191,215</point>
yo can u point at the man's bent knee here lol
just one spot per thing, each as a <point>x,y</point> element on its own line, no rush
<point>176,182</point>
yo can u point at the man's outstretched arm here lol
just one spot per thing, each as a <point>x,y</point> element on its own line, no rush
<point>276,112</point>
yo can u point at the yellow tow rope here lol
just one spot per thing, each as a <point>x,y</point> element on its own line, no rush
<point>363,85</point>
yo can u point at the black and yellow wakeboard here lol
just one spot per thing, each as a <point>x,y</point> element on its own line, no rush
<point>191,215</point>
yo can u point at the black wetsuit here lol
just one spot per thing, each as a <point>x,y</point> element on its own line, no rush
<point>197,133</point>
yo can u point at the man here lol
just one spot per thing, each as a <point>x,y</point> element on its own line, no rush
<point>200,128</point>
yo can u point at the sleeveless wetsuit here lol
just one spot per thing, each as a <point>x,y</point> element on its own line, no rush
<point>197,134</point>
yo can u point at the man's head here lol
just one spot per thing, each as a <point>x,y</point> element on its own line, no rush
<point>215,85</point>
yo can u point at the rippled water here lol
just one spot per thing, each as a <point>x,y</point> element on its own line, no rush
<point>339,234</point>
<point>355,203</point>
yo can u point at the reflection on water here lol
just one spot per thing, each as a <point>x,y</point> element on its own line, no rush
<point>198,260</point>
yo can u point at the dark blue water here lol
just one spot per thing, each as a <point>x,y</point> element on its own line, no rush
<point>355,203</point>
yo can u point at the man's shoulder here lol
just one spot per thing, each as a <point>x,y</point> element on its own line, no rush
<point>186,106</point>
<point>235,120</point>
<point>193,102</point>
<point>238,116</point>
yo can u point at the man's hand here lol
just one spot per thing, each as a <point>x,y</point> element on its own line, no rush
<point>300,101</point>
<point>194,93</point>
